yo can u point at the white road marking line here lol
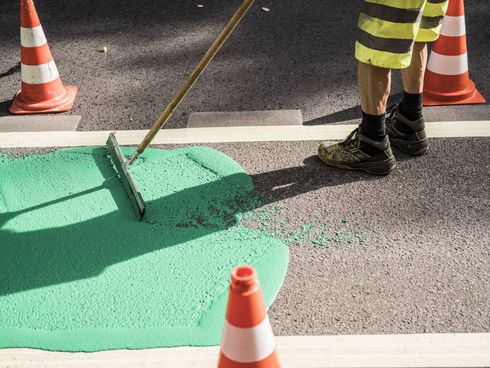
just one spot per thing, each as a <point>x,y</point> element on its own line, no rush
<point>225,135</point>
<point>38,123</point>
<point>244,118</point>
<point>417,350</point>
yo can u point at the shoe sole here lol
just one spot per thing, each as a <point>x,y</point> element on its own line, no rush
<point>412,149</point>
<point>376,168</point>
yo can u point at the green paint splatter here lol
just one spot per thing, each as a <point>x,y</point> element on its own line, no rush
<point>317,233</point>
<point>78,272</point>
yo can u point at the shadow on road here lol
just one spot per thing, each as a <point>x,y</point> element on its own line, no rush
<point>4,107</point>
<point>13,70</point>
<point>351,113</point>
<point>290,182</point>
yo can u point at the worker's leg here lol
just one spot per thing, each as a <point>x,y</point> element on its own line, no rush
<point>413,75</point>
<point>385,36</point>
<point>405,124</point>
<point>374,89</point>
<point>367,148</point>
<point>413,83</point>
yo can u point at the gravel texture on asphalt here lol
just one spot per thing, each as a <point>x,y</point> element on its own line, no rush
<point>299,55</point>
<point>407,253</point>
<point>403,254</point>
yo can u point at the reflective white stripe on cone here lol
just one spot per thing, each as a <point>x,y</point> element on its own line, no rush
<point>453,26</point>
<point>39,74</point>
<point>32,37</point>
<point>248,345</point>
<point>448,65</point>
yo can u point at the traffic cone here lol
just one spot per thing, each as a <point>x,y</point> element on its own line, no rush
<point>447,80</point>
<point>41,88</point>
<point>248,341</point>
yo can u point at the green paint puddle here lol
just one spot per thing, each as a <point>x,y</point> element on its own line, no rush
<point>78,272</point>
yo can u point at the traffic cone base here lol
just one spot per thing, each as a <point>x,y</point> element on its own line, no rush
<point>474,98</point>
<point>61,103</point>
<point>466,95</point>
<point>271,361</point>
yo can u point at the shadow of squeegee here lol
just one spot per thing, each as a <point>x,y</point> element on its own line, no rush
<point>5,217</point>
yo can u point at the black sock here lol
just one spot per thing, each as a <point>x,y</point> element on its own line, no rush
<point>411,105</point>
<point>373,126</point>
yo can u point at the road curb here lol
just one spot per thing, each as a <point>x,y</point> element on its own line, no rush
<point>417,350</point>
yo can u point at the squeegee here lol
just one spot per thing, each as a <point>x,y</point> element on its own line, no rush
<point>120,163</point>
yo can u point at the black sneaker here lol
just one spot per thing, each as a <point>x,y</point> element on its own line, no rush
<point>358,152</point>
<point>407,135</point>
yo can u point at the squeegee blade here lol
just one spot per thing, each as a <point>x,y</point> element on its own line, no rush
<point>125,176</point>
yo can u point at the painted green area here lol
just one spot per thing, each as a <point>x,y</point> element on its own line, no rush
<point>79,272</point>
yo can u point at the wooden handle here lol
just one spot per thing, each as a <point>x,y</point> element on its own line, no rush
<point>165,115</point>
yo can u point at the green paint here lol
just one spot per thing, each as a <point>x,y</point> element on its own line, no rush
<point>334,231</point>
<point>78,272</point>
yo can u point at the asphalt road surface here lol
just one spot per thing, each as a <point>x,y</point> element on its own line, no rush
<point>407,253</point>
<point>297,56</point>
<point>421,263</point>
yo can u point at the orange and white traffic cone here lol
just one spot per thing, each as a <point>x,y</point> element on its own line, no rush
<point>41,88</point>
<point>447,80</point>
<point>248,341</point>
